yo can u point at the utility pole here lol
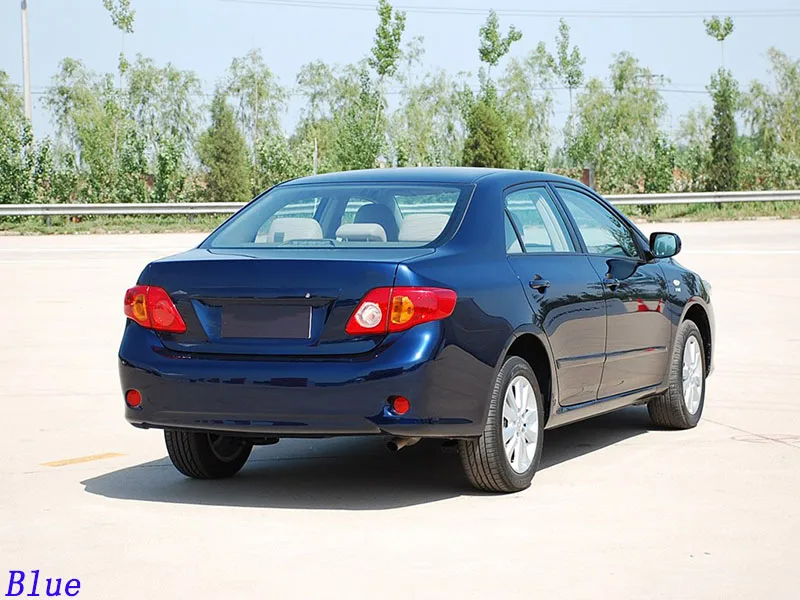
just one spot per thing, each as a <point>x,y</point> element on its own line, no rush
<point>26,62</point>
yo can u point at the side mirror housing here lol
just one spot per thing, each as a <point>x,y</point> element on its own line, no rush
<point>664,244</point>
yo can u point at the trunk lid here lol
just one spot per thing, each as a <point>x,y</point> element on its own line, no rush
<point>273,301</point>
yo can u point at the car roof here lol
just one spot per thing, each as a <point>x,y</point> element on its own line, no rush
<point>452,175</point>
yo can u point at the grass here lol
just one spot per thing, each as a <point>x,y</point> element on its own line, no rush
<point>206,223</point>
<point>110,224</point>
<point>732,211</point>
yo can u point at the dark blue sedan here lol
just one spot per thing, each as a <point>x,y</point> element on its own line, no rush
<point>475,306</point>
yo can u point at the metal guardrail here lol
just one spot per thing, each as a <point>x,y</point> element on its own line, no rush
<point>705,197</point>
<point>209,208</point>
<point>154,208</point>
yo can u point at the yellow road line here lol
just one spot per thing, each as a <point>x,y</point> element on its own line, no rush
<point>81,459</point>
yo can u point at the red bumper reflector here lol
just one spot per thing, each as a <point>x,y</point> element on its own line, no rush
<point>133,398</point>
<point>400,405</point>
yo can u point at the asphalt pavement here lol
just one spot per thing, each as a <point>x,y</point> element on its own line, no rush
<point>619,509</point>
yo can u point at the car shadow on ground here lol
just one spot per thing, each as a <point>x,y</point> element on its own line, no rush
<point>349,473</point>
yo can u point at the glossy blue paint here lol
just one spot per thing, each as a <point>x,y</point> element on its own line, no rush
<point>606,347</point>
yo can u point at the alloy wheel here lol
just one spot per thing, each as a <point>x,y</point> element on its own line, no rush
<point>520,424</point>
<point>692,375</point>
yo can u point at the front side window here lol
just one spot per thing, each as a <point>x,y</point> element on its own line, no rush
<point>602,231</point>
<point>345,216</point>
<point>538,222</point>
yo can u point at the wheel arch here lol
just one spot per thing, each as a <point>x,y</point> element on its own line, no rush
<point>532,347</point>
<point>698,314</point>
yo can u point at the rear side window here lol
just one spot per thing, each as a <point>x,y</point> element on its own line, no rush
<point>346,216</point>
<point>538,222</point>
<point>512,241</point>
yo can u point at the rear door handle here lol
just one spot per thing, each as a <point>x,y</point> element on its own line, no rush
<point>538,283</point>
<point>611,283</point>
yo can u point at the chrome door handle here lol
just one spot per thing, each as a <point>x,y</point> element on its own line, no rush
<point>611,283</point>
<point>539,284</point>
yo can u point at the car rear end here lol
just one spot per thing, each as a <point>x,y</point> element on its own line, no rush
<point>290,320</point>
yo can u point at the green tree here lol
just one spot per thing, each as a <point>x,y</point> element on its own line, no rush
<point>493,44</point>
<point>693,152</point>
<point>719,29</point>
<point>334,98</point>
<point>385,58</point>
<point>89,119</point>
<point>118,139</point>
<point>259,98</point>
<point>170,177</point>
<point>617,125</point>
<point>658,168</point>
<point>315,82</point>
<point>773,115</point>
<point>428,128</point>
<point>280,159</point>
<point>162,103</point>
<point>723,172</point>
<point>487,144</point>
<point>487,141</point>
<point>122,17</point>
<point>386,50</point>
<point>133,168</point>
<point>260,102</point>
<point>357,141</point>
<point>567,65</point>
<point>18,155</point>
<point>526,104</point>
<point>223,153</point>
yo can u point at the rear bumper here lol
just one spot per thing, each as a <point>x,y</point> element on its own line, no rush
<point>309,397</point>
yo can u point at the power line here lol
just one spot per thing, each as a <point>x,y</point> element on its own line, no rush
<point>529,12</point>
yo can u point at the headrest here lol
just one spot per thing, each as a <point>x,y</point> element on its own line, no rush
<point>380,214</point>
<point>361,232</point>
<point>422,227</point>
<point>291,228</point>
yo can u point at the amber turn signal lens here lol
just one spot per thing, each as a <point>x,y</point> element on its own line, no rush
<point>402,309</point>
<point>139,308</point>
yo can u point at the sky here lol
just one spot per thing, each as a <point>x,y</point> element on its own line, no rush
<point>204,36</point>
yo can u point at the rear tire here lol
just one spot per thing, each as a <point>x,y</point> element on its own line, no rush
<point>506,456</point>
<point>681,406</point>
<point>204,455</point>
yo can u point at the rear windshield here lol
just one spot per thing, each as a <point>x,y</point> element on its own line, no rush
<point>384,215</point>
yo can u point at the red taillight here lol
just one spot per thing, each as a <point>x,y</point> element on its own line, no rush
<point>150,306</point>
<point>386,309</point>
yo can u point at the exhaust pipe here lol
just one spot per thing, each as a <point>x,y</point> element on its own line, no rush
<point>398,443</point>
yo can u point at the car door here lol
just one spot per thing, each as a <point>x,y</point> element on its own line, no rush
<point>565,293</point>
<point>638,331</point>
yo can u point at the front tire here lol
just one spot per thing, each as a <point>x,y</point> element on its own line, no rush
<point>681,406</point>
<point>506,456</point>
<point>206,455</point>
